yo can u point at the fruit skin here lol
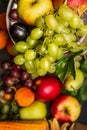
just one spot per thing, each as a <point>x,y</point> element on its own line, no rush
<point>57,3</point>
<point>29,10</point>
<point>3,39</point>
<point>19,31</point>
<point>66,108</point>
<point>76,3</point>
<point>3,21</point>
<point>37,110</point>
<point>72,84</point>
<point>9,47</point>
<point>47,88</point>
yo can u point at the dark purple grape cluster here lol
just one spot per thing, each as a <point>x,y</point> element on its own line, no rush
<point>15,77</point>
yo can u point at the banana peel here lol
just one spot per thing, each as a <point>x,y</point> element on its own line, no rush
<point>54,124</point>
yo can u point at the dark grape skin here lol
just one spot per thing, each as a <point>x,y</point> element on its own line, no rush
<point>28,83</point>
<point>14,73</point>
<point>16,67</point>
<point>13,15</point>
<point>16,77</point>
<point>19,31</point>
<point>24,75</point>
<point>6,65</point>
<point>8,89</point>
<point>8,81</point>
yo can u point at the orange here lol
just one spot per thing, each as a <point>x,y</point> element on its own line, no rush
<point>3,38</point>
<point>24,96</point>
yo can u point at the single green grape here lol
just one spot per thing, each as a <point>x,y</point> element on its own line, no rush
<point>34,75</point>
<point>66,30</point>
<point>29,65</point>
<point>41,72</point>
<point>36,33</point>
<point>19,59</point>
<point>44,64</point>
<point>51,22</point>
<point>60,28</point>
<point>60,53</point>
<point>74,47</point>
<point>52,68</point>
<point>50,58</point>
<point>82,31</point>
<point>21,46</point>
<point>65,12</point>
<point>30,54</point>
<point>53,50</point>
<point>59,39</point>
<point>69,37</point>
<point>40,22</point>
<point>31,42</point>
<point>75,22</point>
<point>37,63</point>
<point>60,20</point>
<point>43,50</point>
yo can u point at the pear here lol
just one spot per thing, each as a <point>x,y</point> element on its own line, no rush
<point>72,84</point>
<point>30,10</point>
<point>37,110</point>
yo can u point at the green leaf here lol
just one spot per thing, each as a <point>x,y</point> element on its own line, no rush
<point>61,67</point>
<point>71,67</point>
<point>66,65</point>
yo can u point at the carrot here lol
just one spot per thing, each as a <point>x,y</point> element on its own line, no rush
<point>24,96</point>
<point>24,125</point>
<point>3,38</point>
<point>9,46</point>
<point>3,21</point>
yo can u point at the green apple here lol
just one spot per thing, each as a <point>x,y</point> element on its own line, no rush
<point>30,10</point>
<point>37,110</point>
<point>72,84</point>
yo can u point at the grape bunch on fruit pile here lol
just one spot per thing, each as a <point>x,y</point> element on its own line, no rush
<point>52,36</point>
<point>45,71</point>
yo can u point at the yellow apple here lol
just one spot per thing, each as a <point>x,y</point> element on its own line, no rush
<point>30,10</point>
<point>72,84</point>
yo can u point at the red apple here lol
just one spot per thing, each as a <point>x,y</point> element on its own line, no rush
<point>47,88</point>
<point>66,108</point>
<point>76,3</point>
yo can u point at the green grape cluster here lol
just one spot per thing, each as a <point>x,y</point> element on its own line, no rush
<point>52,35</point>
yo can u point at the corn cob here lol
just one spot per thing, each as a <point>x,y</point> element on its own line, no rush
<point>24,125</point>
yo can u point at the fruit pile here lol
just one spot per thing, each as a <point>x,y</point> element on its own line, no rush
<point>46,72</point>
<point>44,44</point>
<point>40,97</point>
